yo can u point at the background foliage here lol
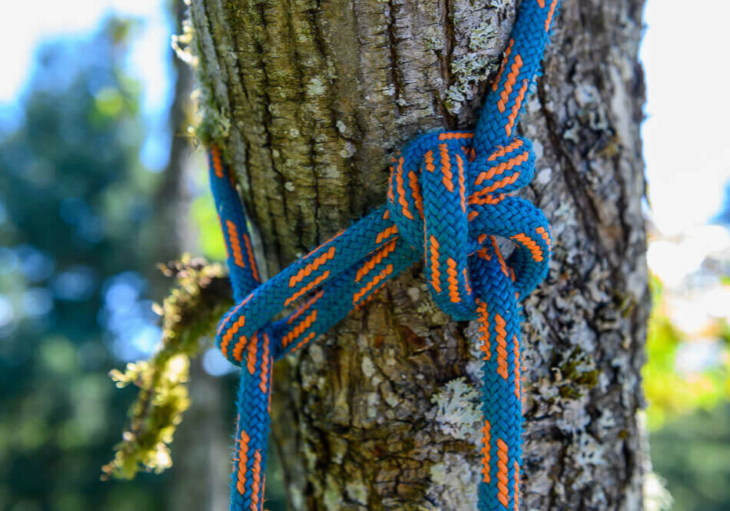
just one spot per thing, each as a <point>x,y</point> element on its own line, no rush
<point>75,246</point>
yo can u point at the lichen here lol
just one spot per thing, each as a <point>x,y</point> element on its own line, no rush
<point>468,70</point>
<point>182,44</point>
<point>357,491</point>
<point>372,402</point>
<point>368,369</point>
<point>656,495</point>
<point>332,495</point>
<point>316,87</point>
<point>214,127</point>
<point>433,38</point>
<point>458,411</point>
<point>473,57</point>
<point>454,483</point>
<point>482,36</point>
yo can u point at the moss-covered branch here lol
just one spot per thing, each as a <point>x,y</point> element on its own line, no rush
<point>189,313</point>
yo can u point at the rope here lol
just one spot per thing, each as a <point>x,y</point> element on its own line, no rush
<point>447,202</point>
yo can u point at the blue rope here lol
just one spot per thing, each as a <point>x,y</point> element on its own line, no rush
<point>447,203</point>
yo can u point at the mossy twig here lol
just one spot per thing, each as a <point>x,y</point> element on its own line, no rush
<point>200,296</point>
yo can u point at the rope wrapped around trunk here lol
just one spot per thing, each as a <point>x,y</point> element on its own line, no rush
<point>447,202</point>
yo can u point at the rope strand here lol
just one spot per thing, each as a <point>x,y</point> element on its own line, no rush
<point>447,201</point>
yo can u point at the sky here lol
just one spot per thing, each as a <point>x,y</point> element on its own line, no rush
<point>687,132</point>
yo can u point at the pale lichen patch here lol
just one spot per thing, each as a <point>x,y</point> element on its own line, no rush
<point>357,491</point>
<point>475,364</point>
<point>656,495</point>
<point>414,293</point>
<point>349,150</point>
<point>368,369</point>
<point>468,70</point>
<point>182,44</point>
<point>458,411</point>
<point>332,495</point>
<point>434,39</point>
<point>390,397</point>
<point>372,402</point>
<point>454,483</point>
<point>316,87</point>
<point>482,36</point>
<point>543,177</point>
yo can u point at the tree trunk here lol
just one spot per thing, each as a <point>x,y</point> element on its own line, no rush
<point>310,99</point>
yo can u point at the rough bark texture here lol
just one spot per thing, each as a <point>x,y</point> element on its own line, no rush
<point>311,98</point>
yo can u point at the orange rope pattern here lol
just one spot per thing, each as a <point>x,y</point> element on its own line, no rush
<point>449,196</point>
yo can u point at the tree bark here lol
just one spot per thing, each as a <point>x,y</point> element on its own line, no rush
<point>310,99</point>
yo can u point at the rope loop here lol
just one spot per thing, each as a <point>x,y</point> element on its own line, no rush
<point>448,201</point>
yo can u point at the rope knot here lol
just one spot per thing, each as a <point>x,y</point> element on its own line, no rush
<point>450,199</point>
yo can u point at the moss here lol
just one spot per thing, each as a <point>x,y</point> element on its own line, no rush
<point>575,374</point>
<point>574,369</point>
<point>214,124</point>
<point>199,298</point>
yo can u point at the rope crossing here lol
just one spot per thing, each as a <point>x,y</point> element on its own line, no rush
<point>447,203</point>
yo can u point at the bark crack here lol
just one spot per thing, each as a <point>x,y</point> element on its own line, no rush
<point>395,77</point>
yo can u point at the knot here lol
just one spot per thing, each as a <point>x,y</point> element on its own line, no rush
<point>449,201</point>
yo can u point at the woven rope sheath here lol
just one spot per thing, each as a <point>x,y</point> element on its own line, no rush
<point>447,203</point>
